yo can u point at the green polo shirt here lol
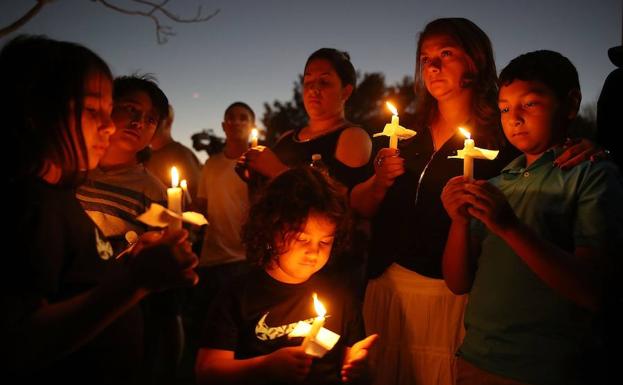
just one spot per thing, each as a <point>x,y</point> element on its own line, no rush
<point>516,325</point>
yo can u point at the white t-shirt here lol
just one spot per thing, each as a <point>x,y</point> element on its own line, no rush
<point>227,206</point>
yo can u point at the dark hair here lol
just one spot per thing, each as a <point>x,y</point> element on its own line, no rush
<point>340,61</point>
<point>240,104</point>
<point>39,80</point>
<point>147,83</point>
<point>283,207</point>
<point>481,77</point>
<point>547,67</point>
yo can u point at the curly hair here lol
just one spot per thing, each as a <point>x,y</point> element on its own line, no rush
<point>282,209</point>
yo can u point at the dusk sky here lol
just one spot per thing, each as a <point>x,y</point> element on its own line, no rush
<point>253,50</point>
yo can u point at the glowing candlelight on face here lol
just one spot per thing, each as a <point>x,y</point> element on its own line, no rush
<point>393,137</point>
<point>187,199</point>
<point>254,135</point>
<point>468,161</point>
<point>318,321</point>
<point>174,198</point>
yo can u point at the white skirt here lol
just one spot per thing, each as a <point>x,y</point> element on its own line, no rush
<point>420,325</point>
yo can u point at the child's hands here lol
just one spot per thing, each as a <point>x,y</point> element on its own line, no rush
<point>288,364</point>
<point>163,261</point>
<point>387,167</point>
<point>455,199</point>
<point>356,360</point>
<point>491,207</point>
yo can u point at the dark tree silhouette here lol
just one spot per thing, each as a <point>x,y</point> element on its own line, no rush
<point>207,141</point>
<point>282,117</point>
<point>585,125</point>
<point>154,10</point>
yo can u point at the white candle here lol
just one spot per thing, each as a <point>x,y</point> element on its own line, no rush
<point>468,161</point>
<point>174,198</point>
<point>254,135</point>
<point>318,322</point>
<point>187,199</point>
<point>393,137</point>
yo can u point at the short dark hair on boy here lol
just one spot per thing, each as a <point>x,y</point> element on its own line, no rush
<point>147,83</point>
<point>340,61</point>
<point>283,207</point>
<point>240,104</point>
<point>544,66</point>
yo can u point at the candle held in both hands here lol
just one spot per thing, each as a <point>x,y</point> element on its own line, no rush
<point>174,198</point>
<point>468,161</point>
<point>469,152</point>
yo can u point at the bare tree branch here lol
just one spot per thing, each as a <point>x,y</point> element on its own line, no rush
<point>154,10</point>
<point>162,31</point>
<point>17,24</point>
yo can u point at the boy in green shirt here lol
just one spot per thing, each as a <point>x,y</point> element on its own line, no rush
<point>535,259</point>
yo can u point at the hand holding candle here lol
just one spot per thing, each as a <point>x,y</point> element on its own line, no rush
<point>469,152</point>
<point>394,130</point>
<point>174,198</point>
<point>318,340</point>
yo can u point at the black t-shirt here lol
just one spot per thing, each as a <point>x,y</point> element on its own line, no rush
<point>253,316</point>
<point>62,254</point>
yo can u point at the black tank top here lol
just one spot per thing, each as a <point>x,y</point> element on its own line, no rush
<point>294,152</point>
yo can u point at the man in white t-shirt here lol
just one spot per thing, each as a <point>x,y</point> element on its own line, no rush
<point>222,195</point>
<point>223,198</point>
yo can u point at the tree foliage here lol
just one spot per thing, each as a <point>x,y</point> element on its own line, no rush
<point>208,141</point>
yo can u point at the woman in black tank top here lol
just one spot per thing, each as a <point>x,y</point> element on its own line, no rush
<point>328,82</point>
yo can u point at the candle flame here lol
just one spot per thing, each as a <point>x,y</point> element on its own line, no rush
<point>320,309</point>
<point>175,177</point>
<point>465,132</point>
<point>184,184</point>
<point>391,108</point>
<point>254,133</point>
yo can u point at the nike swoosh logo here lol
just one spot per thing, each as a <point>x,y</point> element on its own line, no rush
<point>264,332</point>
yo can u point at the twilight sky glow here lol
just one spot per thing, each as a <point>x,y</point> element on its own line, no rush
<point>253,50</point>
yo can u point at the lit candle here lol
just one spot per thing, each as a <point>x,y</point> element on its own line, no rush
<point>393,136</point>
<point>318,322</point>
<point>254,135</point>
<point>468,160</point>
<point>394,130</point>
<point>187,199</point>
<point>174,198</point>
<point>469,152</point>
